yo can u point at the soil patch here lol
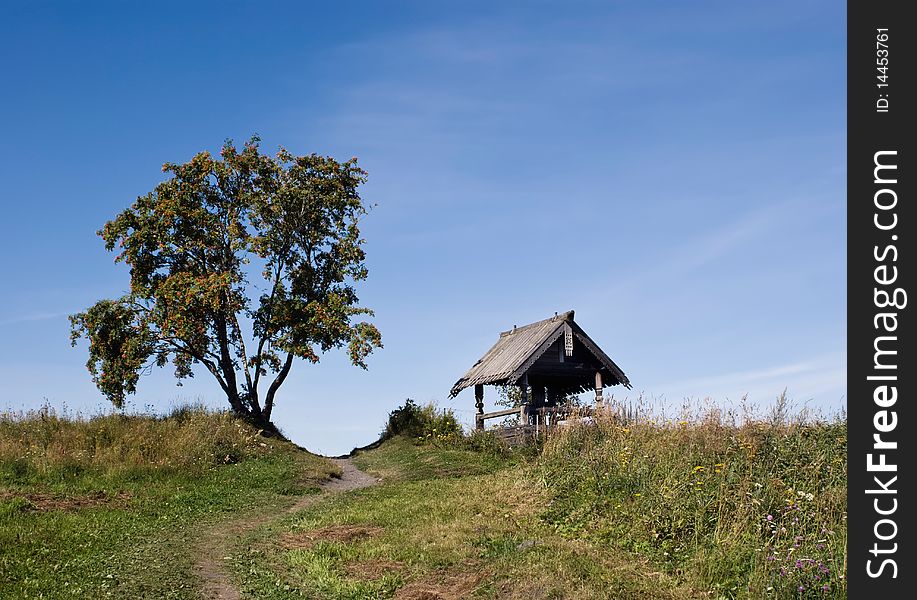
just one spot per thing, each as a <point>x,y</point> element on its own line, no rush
<point>450,584</point>
<point>341,534</point>
<point>369,570</point>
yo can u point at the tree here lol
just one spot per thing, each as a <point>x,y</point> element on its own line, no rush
<point>193,244</point>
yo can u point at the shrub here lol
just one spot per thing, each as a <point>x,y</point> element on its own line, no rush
<point>426,422</point>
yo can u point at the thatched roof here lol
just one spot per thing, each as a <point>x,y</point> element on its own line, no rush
<point>517,350</point>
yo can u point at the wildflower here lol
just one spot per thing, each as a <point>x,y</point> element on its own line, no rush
<point>771,558</point>
<point>770,517</point>
<point>802,588</point>
<point>825,588</point>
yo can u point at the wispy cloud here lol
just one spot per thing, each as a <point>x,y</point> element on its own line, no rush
<point>31,317</point>
<point>819,377</point>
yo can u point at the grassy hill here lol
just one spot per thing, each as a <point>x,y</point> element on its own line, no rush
<point>113,506</point>
<point>700,508</point>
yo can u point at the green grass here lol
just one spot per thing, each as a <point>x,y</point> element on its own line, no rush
<point>699,508</point>
<point>742,511</point>
<point>447,522</point>
<point>405,459</point>
<point>154,485</point>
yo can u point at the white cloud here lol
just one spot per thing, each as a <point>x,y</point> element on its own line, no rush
<point>818,383</point>
<point>27,318</point>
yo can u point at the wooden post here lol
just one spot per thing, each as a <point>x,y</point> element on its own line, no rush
<point>479,403</point>
<point>524,400</point>
<point>538,398</point>
<point>538,403</point>
<point>598,389</point>
<point>552,401</point>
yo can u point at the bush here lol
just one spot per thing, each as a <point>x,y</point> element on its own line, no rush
<point>426,422</point>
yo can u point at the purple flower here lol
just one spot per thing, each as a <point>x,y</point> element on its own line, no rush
<point>798,563</point>
<point>771,558</point>
<point>825,587</point>
<point>802,588</point>
<point>770,517</point>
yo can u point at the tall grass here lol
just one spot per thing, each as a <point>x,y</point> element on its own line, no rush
<point>43,446</point>
<point>749,508</point>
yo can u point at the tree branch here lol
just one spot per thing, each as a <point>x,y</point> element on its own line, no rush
<point>265,337</point>
<point>229,371</point>
<point>252,389</point>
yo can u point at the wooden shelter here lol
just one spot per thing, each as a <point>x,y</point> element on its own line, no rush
<point>548,360</point>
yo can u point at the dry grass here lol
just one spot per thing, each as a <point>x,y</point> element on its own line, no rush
<point>453,583</point>
<point>340,534</point>
<point>372,569</point>
<point>44,446</point>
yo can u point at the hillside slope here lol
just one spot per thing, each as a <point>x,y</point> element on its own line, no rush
<point>112,506</point>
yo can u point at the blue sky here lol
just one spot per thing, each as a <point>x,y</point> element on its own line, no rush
<point>674,172</point>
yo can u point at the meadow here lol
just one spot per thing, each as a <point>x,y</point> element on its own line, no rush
<point>702,506</point>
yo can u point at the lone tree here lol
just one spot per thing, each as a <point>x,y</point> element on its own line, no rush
<point>193,243</point>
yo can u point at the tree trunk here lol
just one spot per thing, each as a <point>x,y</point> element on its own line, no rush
<point>275,385</point>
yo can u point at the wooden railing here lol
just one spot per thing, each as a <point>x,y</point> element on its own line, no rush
<point>541,418</point>
<point>480,417</point>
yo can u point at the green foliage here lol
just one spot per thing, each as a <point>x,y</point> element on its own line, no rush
<point>422,422</point>
<point>188,244</point>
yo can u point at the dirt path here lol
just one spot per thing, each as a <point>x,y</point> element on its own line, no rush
<point>216,543</point>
